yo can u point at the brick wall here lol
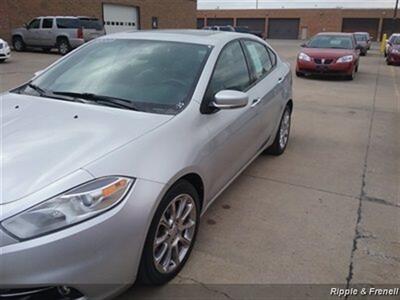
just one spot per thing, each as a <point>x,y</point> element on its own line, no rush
<point>170,13</point>
<point>314,20</point>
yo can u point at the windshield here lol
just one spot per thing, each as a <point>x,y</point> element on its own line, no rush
<point>361,37</point>
<point>155,76</point>
<point>331,42</point>
<point>396,40</point>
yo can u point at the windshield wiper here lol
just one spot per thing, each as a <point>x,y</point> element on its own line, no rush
<point>38,89</point>
<point>101,100</point>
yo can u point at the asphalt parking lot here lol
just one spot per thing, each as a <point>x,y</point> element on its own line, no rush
<point>327,211</point>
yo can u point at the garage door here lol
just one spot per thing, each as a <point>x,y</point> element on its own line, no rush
<point>119,18</point>
<point>283,28</point>
<point>390,26</point>
<point>200,23</point>
<point>359,24</point>
<point>254,24</point>
<point>220,22</point>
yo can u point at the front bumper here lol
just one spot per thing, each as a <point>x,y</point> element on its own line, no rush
<point>393,58</point>
<point>99,257</point>
<point>333,68</point>
<point>5,53</point>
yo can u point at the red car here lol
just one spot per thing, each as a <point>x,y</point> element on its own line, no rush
<point>330,54</point>
<point>393,52</point>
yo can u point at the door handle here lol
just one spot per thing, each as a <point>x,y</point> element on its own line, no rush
<point>280,80</point>
<point>256,102</point>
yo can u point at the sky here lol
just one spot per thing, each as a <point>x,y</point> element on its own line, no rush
<point>271,4</point>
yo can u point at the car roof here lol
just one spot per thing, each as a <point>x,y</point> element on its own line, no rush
<point>69,17</point>
<point>361,32</point>
<point>204,37</point>
<point>336,33</point>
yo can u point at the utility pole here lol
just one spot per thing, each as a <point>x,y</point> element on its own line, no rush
<point>396,8</point>
<point>257,3</point>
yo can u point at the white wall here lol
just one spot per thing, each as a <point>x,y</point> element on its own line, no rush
<point>271,4</point>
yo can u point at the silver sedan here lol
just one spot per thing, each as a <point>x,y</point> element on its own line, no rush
<point>111,155</point>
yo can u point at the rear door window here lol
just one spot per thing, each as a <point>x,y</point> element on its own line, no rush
<point>47,23</point>
<point>259,59</point>
<point>68,23</point>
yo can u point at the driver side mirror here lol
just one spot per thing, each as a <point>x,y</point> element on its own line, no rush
<point>230,99</point>
<point>304,45</point>
<point>26,26</point>
<point>359,47</point>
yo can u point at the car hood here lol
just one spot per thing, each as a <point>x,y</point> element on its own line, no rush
<point>44,139</point>
<point>326,53</point>
<point>396,47</point>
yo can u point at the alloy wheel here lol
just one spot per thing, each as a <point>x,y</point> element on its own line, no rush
<point>175,232</point>
<point>284,130</point>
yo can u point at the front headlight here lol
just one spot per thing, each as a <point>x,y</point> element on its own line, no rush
<point>303,56</point>
<point>345,59</point>
<point>75,206</point>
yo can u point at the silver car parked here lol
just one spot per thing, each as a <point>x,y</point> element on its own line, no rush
<point>63,33</point>
<point>111,155</point>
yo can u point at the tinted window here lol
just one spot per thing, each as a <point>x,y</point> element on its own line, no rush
<point>91,24</point>
<point>68,23</point>
<point>156,76</point>
<point>260,61</point>
<point>331,42</point>
<point>47,23</point>
<point>231,72</point>
<point>35,24</point>
<point>361,37</point>
<point>396,40</point>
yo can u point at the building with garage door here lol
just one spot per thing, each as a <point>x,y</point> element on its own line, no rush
<point>299,19</point>
<point>118,15</point>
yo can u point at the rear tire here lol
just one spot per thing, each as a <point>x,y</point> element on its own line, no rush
<point>282,136</point>
<point>63,46</point>
<point>18,44</point>
<point>2,60</point>
<point>299,74</point>
<point>162,259</point>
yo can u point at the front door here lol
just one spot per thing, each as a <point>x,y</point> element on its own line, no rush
<point>32,33</point>
<point>234,134</point>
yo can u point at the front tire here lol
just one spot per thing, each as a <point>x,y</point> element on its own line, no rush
<point>171,235</point>
<point>282,136</point>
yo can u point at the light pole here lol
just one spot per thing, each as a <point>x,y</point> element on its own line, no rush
<point>257,3</point>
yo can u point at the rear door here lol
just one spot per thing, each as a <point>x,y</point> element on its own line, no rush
<point>47,33</point>
<point>268,88</point>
